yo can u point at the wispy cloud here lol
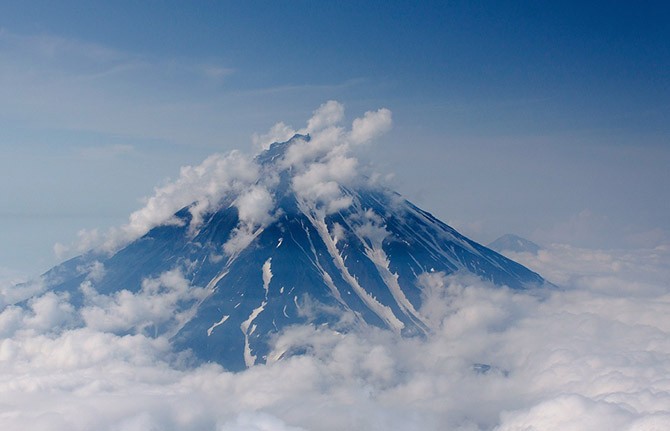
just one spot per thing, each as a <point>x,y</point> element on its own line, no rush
<point>326,88</point>
<point>105,152</point>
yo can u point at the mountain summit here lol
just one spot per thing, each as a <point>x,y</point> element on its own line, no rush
<point>294,235</point>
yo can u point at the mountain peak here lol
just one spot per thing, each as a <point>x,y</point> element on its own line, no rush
<point>293,236</point>
<point>277,150</point>
<point>511,242</point>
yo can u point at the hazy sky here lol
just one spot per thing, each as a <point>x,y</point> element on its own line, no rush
<point>546,119</point>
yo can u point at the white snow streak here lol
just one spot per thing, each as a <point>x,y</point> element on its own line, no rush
<point>381,261</point>
<point>250,359</point>
<point>326,277</point>
<point>213,282</point>
<point>267,276</point>
<point>220,322</point>
<point>384,312</point>
<point>374,231</point>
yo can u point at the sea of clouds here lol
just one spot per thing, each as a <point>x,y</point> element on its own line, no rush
<point>592,353</point>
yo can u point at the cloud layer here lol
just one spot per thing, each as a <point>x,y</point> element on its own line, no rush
<point>592,355</point>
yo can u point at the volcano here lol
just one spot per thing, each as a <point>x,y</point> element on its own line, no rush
<point>297,237</point>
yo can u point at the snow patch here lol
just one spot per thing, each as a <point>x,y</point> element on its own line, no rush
<point>267,275</point>
<point>249,358</point>
<point>220,322</point>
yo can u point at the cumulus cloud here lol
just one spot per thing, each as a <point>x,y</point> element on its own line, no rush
<point>206,185</point>
<point>327,134</point>
<point>370,126</point>
<point>319,145</point>
<point>41,314</point>
<point>203,188</point>
<point>147,311</point>
<point>15,288</point>
<point>255,205</point>
<point>591,355</point>
<point>255,211</point>
<point>327,115</point>
<point>324,163</point>
<point>320,182</point>
<point>280,132</point>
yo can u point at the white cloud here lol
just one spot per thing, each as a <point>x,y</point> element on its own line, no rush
<point>642,271</point>
<point>569,412</point>
<point>204,187</point>
<point>206,184</point>
<point>280,132</point>
<point>94,271</point>
<point>323,164</point>
<point>41,314</point>
<point>146,311</point>
<point>434,303</point>
<point>327,136</point>
<point>257,422</point>
<point>321,181</point>
<point>327,115</point>
<point>592,355</point>
<point>372,125</point>
<point>370,226</point>
<point>254,206</point>
<point>15,288</point>
<point>240,238</point>
<point>322,143</point>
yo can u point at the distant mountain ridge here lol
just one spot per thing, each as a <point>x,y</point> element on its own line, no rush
<point>511,242</point>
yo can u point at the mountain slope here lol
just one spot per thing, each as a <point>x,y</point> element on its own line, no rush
<point>306,241</point>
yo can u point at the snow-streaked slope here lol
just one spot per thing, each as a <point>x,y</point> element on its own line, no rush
<point>307,242</point>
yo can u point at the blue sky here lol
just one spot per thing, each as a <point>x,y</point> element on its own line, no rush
<point>546,119</point>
